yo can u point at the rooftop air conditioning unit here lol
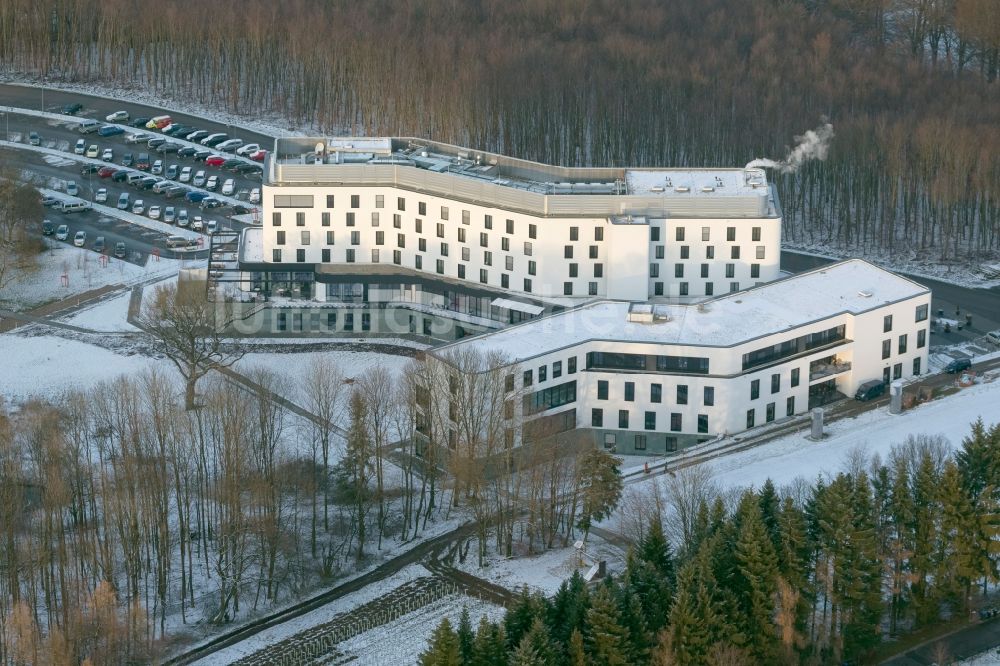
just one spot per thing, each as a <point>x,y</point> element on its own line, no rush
<point>656,189</point>
<point>682,188</point>
<point>708,188</point>
<point>865,293</point>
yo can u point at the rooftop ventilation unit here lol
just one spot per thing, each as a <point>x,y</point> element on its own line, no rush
<point>707,188</point>
<point>865,293</point>
<point>657,188</point>
<point>682,188</point>
<point>669,184</point>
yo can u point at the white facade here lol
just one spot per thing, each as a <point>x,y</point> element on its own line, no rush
<point>520,227</point>
<point>649,378</point>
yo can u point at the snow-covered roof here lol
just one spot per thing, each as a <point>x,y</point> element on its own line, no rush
<point>852,286</point>
<point>252,245</point>
<point>696,182</point>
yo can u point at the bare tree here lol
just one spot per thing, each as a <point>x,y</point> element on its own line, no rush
<point>189,331</point>
<point>323,390</point>
<point>20,240</point>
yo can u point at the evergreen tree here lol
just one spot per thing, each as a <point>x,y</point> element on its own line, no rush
<point>968,549</point>
<point>696,622</point>
<point>490,646</point>
<point>860,573</point>
<point>568,609</point>
<point>518,620</point>
<point>535,649</point>
<point>465,636</point>
<point>979,459</point>
<point>443,648</point>
<point>925,530</point>
<point>607,639</point>
<point>654,549</point>
<point>901,542</point>
<point>794,559</point>
<point>754,580</point>
<point>640,638</point>
<point>600,487</point>
<point>652,590</point>
<point>770,509</point>
<point>576,654</point>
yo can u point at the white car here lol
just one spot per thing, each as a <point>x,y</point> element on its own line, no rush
<point>72,189</point>
<point>108,155</point>
<point>229,187</point>
<point>185,175</point>
<point>169,215</point>
<point>199,179</point>
<point>101,196</point>
<point>254,195</point>
<point>136,138</point>
<point>157,168</point>
<point>154,212</point>
<point>80,239</point>
<point>212,137</point>
<point>230,145</point>
<point>62,233</point>
<point>211,226</point>
<point>182,218</point>
<point>93,150</point>
<point>248,149</point>
<point>994,336</point>
<point>117,117</point>
<point>212,183</point>
<point>138,207</point>
<point>196,223</point>
<point>81,147</point>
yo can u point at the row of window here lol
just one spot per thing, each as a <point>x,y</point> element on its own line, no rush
<point>775,383</point>
<point>528,376</point>
<point>680,233</point>
<point>659,252</point>
<point>769,411</point>
<point>648,421</point>
<point>901,345</point>
<point>919,316</point>
<point>656,393</point>
<point>654,270</point>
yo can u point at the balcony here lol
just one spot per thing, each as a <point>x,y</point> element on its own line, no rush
<point>823,368</point>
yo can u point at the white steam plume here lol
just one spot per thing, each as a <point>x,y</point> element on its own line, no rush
<point>813,145</point>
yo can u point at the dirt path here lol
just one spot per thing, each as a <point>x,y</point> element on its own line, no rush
<point>11,320</point>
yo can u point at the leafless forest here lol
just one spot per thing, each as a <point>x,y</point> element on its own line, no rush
<point>909,85</point>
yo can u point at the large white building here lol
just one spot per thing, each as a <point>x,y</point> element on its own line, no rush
<point>648,378</point>
<point>408,220</point>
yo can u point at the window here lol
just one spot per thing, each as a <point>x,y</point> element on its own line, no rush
<point>401,240</point>
<point>300,219</point>
<point>355,238</point>
<point>660,252</point>
<point>886,348</point>
<point>790,406</point>
<point>557,369</point>
<point>706,233</point>
<point>755,389</point>
<point>526,378</point>
<point>466,217</point>
<point>276,256</point>
<point>574,270</point>
<point>397,257</point>
<point>439,266</point>
<point>488,221</point>
<point>293,201</point>
<point>730,234</point>
<point>775,382</point>
<point>755,270</point>
<point>505,244</point>
<point>400,203</point>
<point>350,219</point>
<point>366,321</point>
<point>592,253</point>
<point>532,267</point>
<point>710,252</point>
<point>571,365</point>
<point>679,234</point>
<point>422,244</point>
<point>709,288</point>
<point>886,323</point>
<point>654,234</point>
<point>325,219</point>
<point>325,254</point>
<point>421,206</point>
<point>602,389</point>
<point>418,226</point>
<point>276,219</point>
<point>623,418</point>
<point>704,270</point>
<point>598,233</point>
<point>444,212</point>
<point>466,254</point>
<point>440,230</point>
<point>658,288</point>
<point>598,270</point>
<point>709,396</point>
<point>567,288</point>
<point>418,262</point>
<point>461,271</point>
<point>527,285</point>
<point>769,412</point>
<point>300,256</point>
<point>329,201</point>
<point>755,234</point>
<point>331,320</point>
<point>304,237</point>
<point>650,421</point>
<point>542,373</point>
<point>734,286</point>
<point>902,344</point>
<point>656,393</point>
<point>484,275</point>
<point>568,252</point>
<point>735,251</point>
<point>921,338</point>
<point>350,256</point>
<point>916,366</point>
<point>921,313</point>
<point>397,221</point>
<point>574,232</point>
<point>795,377</point>
<point>610,440</point>
<point>675,422</point>
<point>484,239</point>
<point>640,442</point>
<point>730,270</point>
<point>527,248</point>
<point>654,270</point>
<point>897,371</point>
<point>682,394</point>
<point>375,218</point>
<point>282,321</point>
<point>750,418</point>
<point>760,251</point>
<point>380,201</point>
<point>597,417</point>
<point>280,238</point>
<point>678,270</point>
<point>685,251</point>
<point>355,201</point>
<point>629,391</point>
<point>444,249</point>
<point>349,321</point>
<point>703,423</point>
<point>380,238</point>
<point>671,444</point>
<point>533,231</point>
<point>374,255</point>
<point>510,226</point>
<point>461,235</point>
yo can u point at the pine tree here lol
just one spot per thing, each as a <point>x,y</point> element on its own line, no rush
<point>640,638</point>
<point>518,620</point>
<point>465,636</point>
<point>901,542</point>
<point>535,648</point>
<point>979,459</point>
<point>652,590</point>
<point>925,530</point>
<point>770,509</point>
<point>968,555</point>
<point>754,581</point>
<point>576,654</point>
<point>696,621</point>
<point>655,550</point>
<point>607,639</point>
<point>568,609</point>
<point>443,648</point>
<point>490,646</point>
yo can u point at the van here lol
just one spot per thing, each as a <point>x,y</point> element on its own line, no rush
<point>994,337</point>
<point>958,365</point>
<point>88,126</point>
<point>177,241</point>
<point>159,122</point>
<point>74,206</point>
<point>870,390</point>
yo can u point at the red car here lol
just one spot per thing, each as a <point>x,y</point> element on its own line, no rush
<point>106,172</point>
<point>215,160</point>
<point>258,156</point>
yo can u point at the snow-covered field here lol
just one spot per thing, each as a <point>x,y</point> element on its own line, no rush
<point>988,658</point>
<point>83,270</point>
<point>108,315</point>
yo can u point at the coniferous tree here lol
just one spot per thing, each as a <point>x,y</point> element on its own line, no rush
<point>654,549</point>
<point>568,609</point>
<point>443,647</point>
<point>518,620</point>
<point>925,530</point>
<point>696,620</point>
<point>979,459</point>
<point>652,590</point>
<point>576,654</point>
<point>770,509</point>
<point>607,638</point>
<point>860,572</point>
<point>536,648</point>
<point>640,638</point>
<point>967,555</point>
<point>465,636</point>
<point>489,648</point>
<point>753,580</point>
<point>901,542</point>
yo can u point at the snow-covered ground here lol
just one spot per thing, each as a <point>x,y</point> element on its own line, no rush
<point>107,315</point>
<point>83,270</point>
<point>988,658</point>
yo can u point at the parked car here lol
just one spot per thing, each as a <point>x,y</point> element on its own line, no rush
<point>138,122</point>
<point>199,179</point>
<point>195,197</point>
<point>138,207</point>
<point>201,155</point>
<point>99,244</point>
<point>172,171</point>
<point>72,189</point>
<point>179,241</point>
<point>197,224</point>
<point>101,196</point>
<point>214,139</point>
<point>120,250</point>
<point>228,187</point>
<point>168,148</point>
<point>169,214</point>
<point>175,191</point>
<point>88,126</point>
<point>106,171</point>
<point>197,135</point>
<point>123,201</point>
<point>162,186</point>
<point>994,336</point>
<point>211,226</point>
<point>136,138</point>
<point>155,142</point>
<point>117,117</point>
<point>133,178</point>
<point>229,145</point>
<point>182,217</point>
<point>110,130</point>
<point>93,150</point>
<point>147,183</point>
<point>233,164</point>
<point>142,162</point>
<point>212,183</point>
<point>254,196</point>
<point>89,169</point>
<point>120,176</point>
<point>159,122</point>
<point>34,138</point>
<point>187,151</point>
<point>259,156</point>
<point>239,209</point>
<point>154,212</point>
<point>128,160</point>
<point>245,168</point>
<point>48,228</point>
<point>72,108</point>
<point>81,147</point>
<point>157,168</point>
<point>185,176</point>
<point>215,160</point>
<point>80,239</point>
<point>248,149</point>
<point>958,365</point>
<point>108,155</point>
<point>49,201</point>
<point>62,233</point>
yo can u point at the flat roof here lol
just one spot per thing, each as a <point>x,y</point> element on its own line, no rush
<point>852,286</point>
